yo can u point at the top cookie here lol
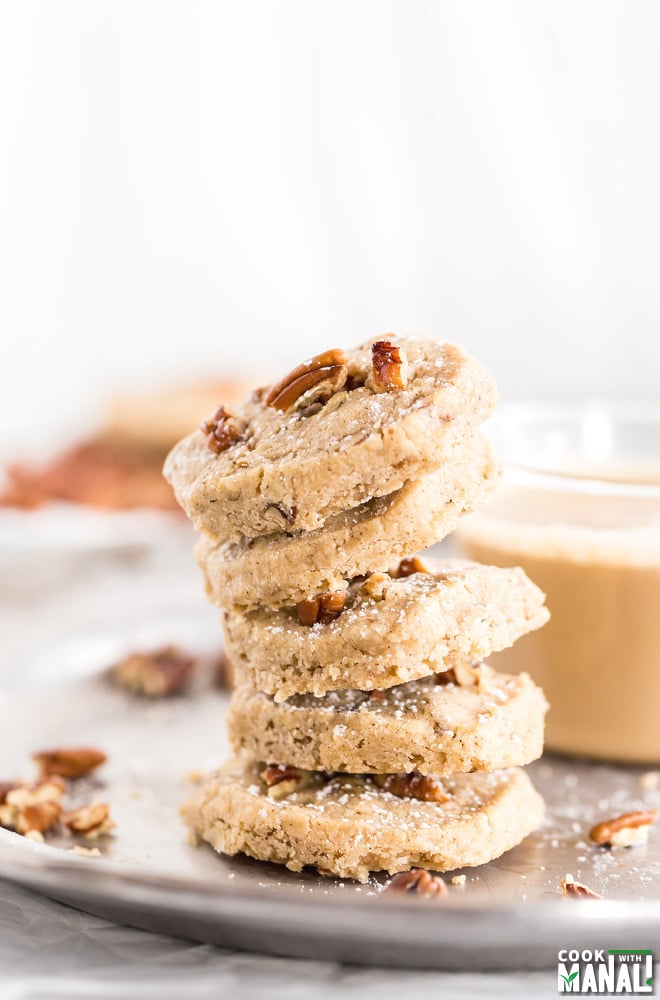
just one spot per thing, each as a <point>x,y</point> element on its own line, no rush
<point>338,430</point>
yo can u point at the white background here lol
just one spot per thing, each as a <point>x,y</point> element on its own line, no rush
<point>193,186</point>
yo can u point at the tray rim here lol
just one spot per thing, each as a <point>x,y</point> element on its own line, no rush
<point>410,932</point>
<point>22,859</point>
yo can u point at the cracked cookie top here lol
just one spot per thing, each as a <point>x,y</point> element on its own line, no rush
<point>339,429</point>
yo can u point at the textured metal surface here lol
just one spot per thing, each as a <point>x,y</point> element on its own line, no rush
<point>508,914</point>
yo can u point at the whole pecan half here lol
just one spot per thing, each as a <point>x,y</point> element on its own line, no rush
<point>389,365</point>
<point>569,887</point>
<point>412,786</point>
<point>627,830</point>
<point>315,380</point>
<point>419,881</point>
<point>325,608</point>
<point>68,762</point>
<point>222,430</point>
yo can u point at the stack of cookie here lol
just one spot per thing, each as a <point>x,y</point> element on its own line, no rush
<point>369,733</point>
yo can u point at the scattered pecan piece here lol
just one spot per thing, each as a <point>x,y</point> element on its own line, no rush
<point>627,830</point>
<point>323,609</point>
<point>377,694</point>
<point>222,430</point>
<point>315,380</point>
<point>283,780</point>
<point>389,365</point>
<point>569,887</point>
<point>90,821</point>
<point>412,786</point>
<point>156,675</point>
<point>419,881</point>
<point>69,762</point>
<point>37,808</point>
<point>407,567</point>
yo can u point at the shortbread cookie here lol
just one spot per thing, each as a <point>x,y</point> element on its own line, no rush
<point>471,719</point>
<point>284,569</point>
<point>348,826</point>
<point>288,459</point>
<point>391,630</point>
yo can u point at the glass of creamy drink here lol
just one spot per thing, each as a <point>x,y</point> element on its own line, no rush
<point>578,508</point>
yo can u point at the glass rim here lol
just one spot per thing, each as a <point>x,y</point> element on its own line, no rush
<point>517,412</point>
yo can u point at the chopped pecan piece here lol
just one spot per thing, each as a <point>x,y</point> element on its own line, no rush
<point>355,380</point>
<point>37,808</point>
<point>389,365</point>
<point>375,586</point>
<point>315,380</point>
<point>90,821</point>
<point>331,606</point>
<point>408,567</point>
<point>569,887</point>
<point>308,611</point>
<point>35,835</point>
<point>462,676</point>
<point>156,675</point>
<point>224,671</point>
<point>283,780</point>
<point>419,881</point>
<point>412,786</point>
<point>273,774</point>
<point>5,788</point>
<point>288,514</point>
<point>627,830</point>
<point>323,609</point>
<point>70,762</point>
<point>222,430</point>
